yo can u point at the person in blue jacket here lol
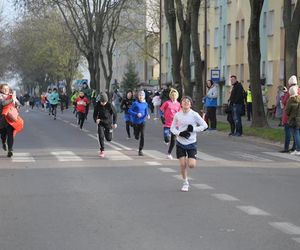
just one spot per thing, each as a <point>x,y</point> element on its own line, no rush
<point>210,102</point>
<point>139,113</point>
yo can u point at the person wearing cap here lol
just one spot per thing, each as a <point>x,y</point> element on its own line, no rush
<point>185,125</point>
<point>81,105</point>
<point>169,109</point>
<point>287,131</point>
<point>106,118</point>
<point>293,112</point>
<point>139,113</point>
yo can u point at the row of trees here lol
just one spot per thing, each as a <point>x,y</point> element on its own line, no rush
<point>185,14</point>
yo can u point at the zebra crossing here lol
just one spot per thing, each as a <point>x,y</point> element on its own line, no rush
<point>118,152</point>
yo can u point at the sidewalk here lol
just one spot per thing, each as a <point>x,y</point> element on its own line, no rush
<point>273,123</point>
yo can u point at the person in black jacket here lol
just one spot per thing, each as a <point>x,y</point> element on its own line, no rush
<point>106,117</point>
<point>125,105</point>
<point>237,101</point>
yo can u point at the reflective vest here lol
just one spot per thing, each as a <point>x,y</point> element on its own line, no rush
<point>249,96</point>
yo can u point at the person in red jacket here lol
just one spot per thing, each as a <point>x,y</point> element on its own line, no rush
<point>82,103</point>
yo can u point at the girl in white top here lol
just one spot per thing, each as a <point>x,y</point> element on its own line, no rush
<point>185,125</point>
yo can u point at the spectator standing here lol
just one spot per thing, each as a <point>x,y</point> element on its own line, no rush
<point>278,112</point>
<point>237,101</point>
<point>249,103</point>
<point>211,102</point>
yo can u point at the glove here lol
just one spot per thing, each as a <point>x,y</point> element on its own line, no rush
<point>190,128</point>
<point>185,134</point>
<point>163,120</point>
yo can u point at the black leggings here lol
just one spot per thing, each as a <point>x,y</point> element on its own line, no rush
<point>139,130</point>
<point>211,114</point>
<point>172,143</point>
<point>128,125</point>
<point>104,131</point>
<point>7,135</point>
<point>81,118</point>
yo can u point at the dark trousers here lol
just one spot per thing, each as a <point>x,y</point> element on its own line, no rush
<point>104,131</point>
<point>81,118</point>
<point>249,110</point>
<point>87,110</point>
<point>236,112</point>
<point>7,135</point>
<point>139,130</point>
<point>172,143</point>
<point>231,122</point>
<point>211,115</point>
<point>128,125</point>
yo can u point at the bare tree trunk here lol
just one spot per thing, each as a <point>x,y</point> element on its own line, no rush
<point>197,54</point>
<point>185,28</point>
<point>292,27</point>
<point>176,51</point>
<point>254,57</point>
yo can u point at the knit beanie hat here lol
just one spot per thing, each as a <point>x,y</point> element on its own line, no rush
<point>293,90</point>
<point>174,91</point>
<point>142,93</point>
<point>293,80</point>
<point>103,97</point>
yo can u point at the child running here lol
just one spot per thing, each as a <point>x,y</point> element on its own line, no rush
<point>125,106</point>
<point>139,112</point>
<point>81,105</point>
<point>185,125</point>
<point>169,109</point>
<point>106,117</point>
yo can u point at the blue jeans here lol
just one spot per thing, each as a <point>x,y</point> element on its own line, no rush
<point>296,134</point>
<point>236,112</point>
<point>287,137</point>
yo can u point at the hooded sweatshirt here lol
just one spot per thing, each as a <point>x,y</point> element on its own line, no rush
<point>136,108</point>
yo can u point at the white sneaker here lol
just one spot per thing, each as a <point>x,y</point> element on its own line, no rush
<point>185,187</point>
<point>295,152</point>
<point>169,156</point>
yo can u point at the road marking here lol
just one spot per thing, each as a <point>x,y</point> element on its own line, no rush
<point>297,239</point>
<point>249,157</point>
<point>116,155</point>
<point>285,156</point>
<point>153,163</point>
<point>225,197</point>
<point>167,170</point>
<point>66,156</point>
<point>253,210</point>
<point>85,130</point>
<point>286,227</point>
<point>203,186</point>
<point>113,146</point>
<point>74,125</point>
<point>93,136</point>
<point>120,145</point>
<point>22,157</point>
<point>179,177</point>
<point>207,157</point>
<point>155,154</point>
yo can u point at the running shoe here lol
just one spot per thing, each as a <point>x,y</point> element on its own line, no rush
<point>141,153</point>
<point>169,156</point>
<point>101,154</point>
<point>4,146</point>
<point>185,187</point>
<point>9,154</point>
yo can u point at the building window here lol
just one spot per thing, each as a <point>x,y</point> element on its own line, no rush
<point>216,42</point>
<point>281,69</point>
<point>220,13</point>
<point>224,31</point>
<point>220,53</point>
<point>228,1</point>
<point>237,29</point>
<point>270,73</point>
<point>263,69</point>
<point>208,37</point>
<point>229,34</point>
<point>281,21</point>
<point>265,20</point>
<point>243,28</point>
<point>216,3</point>
<point>242,73</point>
<point>271,23</point>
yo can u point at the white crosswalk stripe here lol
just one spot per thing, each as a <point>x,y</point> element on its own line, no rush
<point>284,156</point>
<point>253,210</point>
<point>249,157</point>
<point>66,156</point>
<point>225,197</point>
<point>155,154</point>
<point>116,155</point>
<point>286,227</point>
<point>22,157</point>
<point>207,157</point>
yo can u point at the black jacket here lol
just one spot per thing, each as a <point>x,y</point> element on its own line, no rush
<point>126,104</point>
<point>237,94</point>
<point>106,114</point>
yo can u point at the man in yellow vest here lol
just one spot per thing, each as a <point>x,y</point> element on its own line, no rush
<point>249,103</point>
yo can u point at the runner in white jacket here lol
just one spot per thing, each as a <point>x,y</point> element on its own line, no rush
<point>185,125</point>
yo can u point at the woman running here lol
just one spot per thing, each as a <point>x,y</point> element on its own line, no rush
<point>125,106</point>
<point>185,125</point>
<point>169,109</point>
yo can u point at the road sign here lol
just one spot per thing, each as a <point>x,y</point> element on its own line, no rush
<point>215,75</point>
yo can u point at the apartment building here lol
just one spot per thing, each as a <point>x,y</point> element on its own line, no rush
<point>227,31</point>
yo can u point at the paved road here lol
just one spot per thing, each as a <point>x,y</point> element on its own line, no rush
<point>55,193</point>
